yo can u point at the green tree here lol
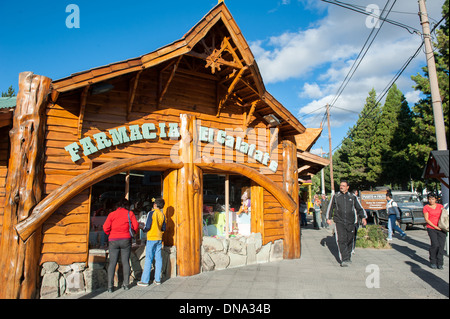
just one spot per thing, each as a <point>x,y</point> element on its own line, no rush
<point>423,117</point>
<point>10,93</point>
<point>353,160</point>
<point>390,142</point>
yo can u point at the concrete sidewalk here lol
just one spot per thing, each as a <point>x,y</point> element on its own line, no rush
<point>402,272</point>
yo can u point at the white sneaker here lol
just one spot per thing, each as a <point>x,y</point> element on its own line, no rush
<point>142,284</point>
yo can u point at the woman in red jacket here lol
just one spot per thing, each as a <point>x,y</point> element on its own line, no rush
<point>432,212</point>
<point>117,227</point>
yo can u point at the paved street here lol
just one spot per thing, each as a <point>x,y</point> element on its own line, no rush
<point>402,272</point>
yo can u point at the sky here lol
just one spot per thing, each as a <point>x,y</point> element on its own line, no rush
<point>304,49</point>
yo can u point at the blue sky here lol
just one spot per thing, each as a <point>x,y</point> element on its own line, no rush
<point>304,48</point>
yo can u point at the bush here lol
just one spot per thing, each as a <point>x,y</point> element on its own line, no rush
<point>372,236</point>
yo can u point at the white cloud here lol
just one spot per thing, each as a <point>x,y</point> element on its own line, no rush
<point>320,57</point>
<point>311,91</point>
<point>412,97</point>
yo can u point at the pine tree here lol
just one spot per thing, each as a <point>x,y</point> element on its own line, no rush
<point>424,128</point>
<point>390,143</point>
<point>10,93</point>
<point>353,160</point>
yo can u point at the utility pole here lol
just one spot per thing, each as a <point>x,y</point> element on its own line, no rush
<point>435,95</point>
<point>432,74</point>
<point>331,150</point>
<point>322,179</point>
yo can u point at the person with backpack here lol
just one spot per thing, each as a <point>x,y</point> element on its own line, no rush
<point>394,215</point>
<point>154,227</point>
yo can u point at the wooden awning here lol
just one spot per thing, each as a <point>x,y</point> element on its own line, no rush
<point>437,166</point>
<point>308,138</point>
<point>310,164</point>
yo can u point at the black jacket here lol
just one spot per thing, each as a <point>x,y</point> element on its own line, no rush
<point>346,208</point>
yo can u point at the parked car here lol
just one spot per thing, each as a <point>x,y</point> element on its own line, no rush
<point>411,210</point>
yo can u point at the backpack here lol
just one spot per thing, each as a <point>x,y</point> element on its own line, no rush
<point>148,224</point>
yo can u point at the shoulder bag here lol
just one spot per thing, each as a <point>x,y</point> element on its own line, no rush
<point>443,220</point>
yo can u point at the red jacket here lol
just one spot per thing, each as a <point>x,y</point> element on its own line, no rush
<point>116,224</point>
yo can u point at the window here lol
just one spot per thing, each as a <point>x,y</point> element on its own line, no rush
<point>226,198</point>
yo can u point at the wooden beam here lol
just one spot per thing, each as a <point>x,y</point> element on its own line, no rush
<point>304,167</point>
<point>83,100</point>
<point>250,114</point>
<point>230,90</point>
<point>73,187</point>
<point>166,86</point>
<point>204,56</point>
<point>132,93</point>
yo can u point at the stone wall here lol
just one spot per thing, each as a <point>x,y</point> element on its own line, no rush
<point>217,253</point>
<point>221,253</point>
<point>79,278</point>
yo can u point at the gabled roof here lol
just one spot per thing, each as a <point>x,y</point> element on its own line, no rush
<point>437,166</point>
<point>193,44</point>
<point>7,102</point>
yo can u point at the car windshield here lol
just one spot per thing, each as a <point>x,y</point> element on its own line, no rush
<point>406,198</point>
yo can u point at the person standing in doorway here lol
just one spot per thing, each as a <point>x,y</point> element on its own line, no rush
<point>432,212</point>
<point>154,229</point>
<point>346,208</point>
<point>393,215</point>
<point>117,226</point>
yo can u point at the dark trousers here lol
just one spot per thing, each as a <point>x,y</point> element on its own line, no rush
<point>345,237</point>
<point>436,250</point>
<point>124,248</point>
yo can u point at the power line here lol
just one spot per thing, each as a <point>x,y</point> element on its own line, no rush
<point>391,83</point>
<point>362,53</point>
<point>358,8</point>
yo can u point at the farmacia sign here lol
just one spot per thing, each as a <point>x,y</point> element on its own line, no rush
<point>149,131</point>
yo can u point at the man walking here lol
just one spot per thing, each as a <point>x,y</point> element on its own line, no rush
<point>346,208</point>
<point>154,228</point>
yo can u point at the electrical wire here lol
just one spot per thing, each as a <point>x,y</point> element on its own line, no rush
<point>358,8</point>
<point>391,83</point>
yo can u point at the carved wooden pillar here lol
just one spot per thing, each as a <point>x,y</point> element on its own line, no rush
<point>291,247</point>
<point>19,260</point>
<point>257,204</point>
<point>189,201</point>
<point>170,198</point>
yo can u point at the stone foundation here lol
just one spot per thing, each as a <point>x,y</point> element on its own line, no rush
<point>222,253</point>
<point>79,278</point>
<point>217,253</point>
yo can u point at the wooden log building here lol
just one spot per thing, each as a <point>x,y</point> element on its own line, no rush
<point>191,122</point>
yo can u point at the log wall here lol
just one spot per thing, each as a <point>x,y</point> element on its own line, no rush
<point>65,235</point>
<point>4,158</point>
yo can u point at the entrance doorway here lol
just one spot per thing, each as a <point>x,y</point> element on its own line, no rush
<point>139,187</point>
